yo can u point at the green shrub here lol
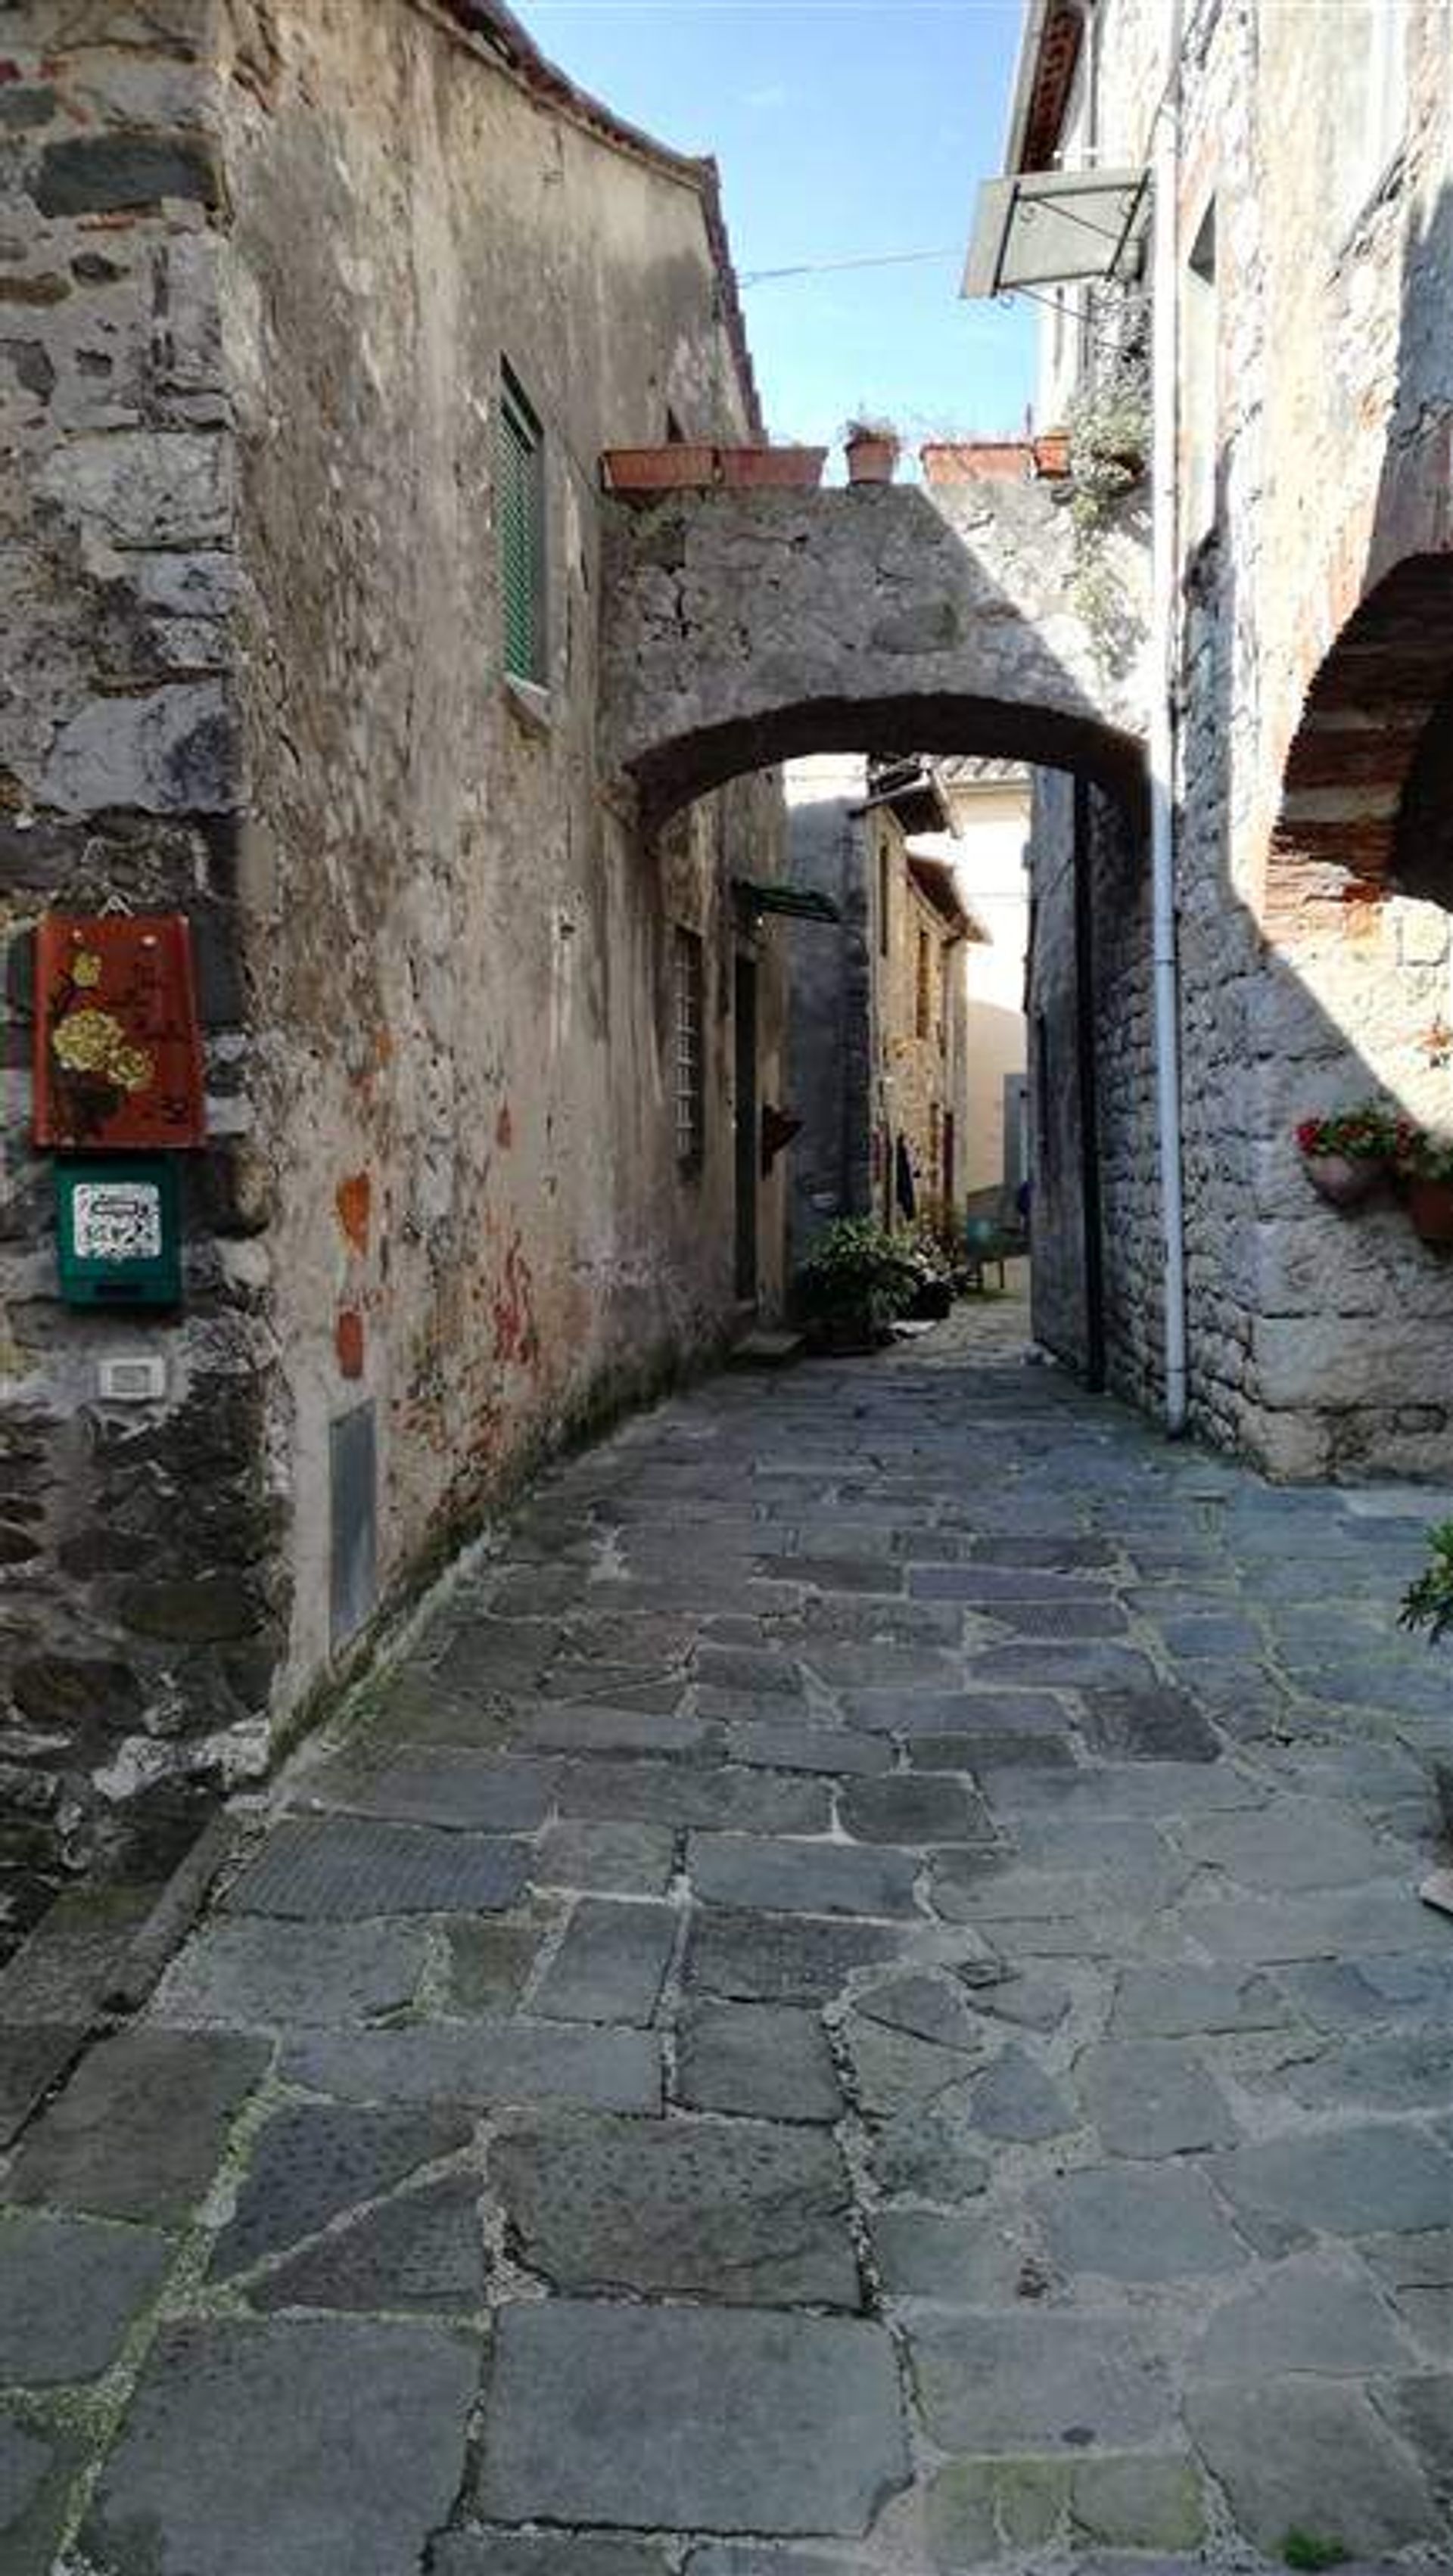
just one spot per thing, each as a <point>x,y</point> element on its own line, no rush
<point>1428,1603</point>
<point>858,1272</point>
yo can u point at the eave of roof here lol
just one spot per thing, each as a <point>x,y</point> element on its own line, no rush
<point>935,878</point>
<point>1048,53</point>
<point>499,29</point>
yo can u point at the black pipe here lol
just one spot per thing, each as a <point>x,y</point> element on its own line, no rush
<point>1087,1067</point>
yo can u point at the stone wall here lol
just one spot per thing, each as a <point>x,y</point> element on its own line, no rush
<point>144,1595</point>
<point>1318,1342</point>
<point>831,975</point>
<point>258,268</point>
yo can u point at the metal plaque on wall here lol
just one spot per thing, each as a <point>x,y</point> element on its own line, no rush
<point>118,1055</point>
<point>353,1518</point>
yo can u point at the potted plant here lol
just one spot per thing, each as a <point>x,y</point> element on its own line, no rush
<point>797,469</point>
<point>1052,453</point>
<point>1428,1603</point>
<point>852,1283</point>
<point>1425,1170</point>
<point>872,450</point>
<point>1349,1155</point>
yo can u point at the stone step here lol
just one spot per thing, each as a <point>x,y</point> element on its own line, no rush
<point>766,1350</point>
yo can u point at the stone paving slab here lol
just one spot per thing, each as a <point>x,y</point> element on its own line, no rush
<point>770,2424</point>
<point>737,2212</point>
<point>804,1878</point>
<point>348,1869</point>
<point>39,2460</point>
<point>312,2161</point>
<point>496,1795</point>
<point>139,2130</point>
<point>483,2062</point>
<point>611,1964</point>
<point>272,1973</point>
<point>770,2061</point>
<point>545,2553</point>
<point>69,2288</point>
<point>317,2432</point>
<point>33,2056</point>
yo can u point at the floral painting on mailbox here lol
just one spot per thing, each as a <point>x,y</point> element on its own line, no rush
<point>118,1057</point>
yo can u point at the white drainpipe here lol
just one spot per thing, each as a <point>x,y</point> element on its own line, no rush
<point>1161,728</point>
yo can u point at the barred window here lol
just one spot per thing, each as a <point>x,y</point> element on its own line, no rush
<point>520,514</point>
<point>690,1068</point>
<point>923,1005</point>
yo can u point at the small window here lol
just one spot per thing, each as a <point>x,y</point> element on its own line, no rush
<point>923,1005</point>
<point>520,510</point>
<point>690,1070</point>
<point>884,883</point>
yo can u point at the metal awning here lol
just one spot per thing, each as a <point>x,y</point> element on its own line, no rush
<point>1047,227</point>
<point>799,903</point>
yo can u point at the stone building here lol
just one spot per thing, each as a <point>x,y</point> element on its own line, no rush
<point>1304,159</point>
<point>989,803</point>
<point>318,316</point>
<point>879,1045</point>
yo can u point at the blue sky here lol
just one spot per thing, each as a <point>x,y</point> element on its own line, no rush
<point>843,128</point>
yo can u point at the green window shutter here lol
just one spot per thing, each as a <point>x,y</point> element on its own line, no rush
<point>520,517</point>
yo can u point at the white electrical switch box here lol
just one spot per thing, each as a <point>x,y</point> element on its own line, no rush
<point>132,1381</point>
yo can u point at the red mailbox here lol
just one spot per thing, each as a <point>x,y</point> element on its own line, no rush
<point>118,1050</point>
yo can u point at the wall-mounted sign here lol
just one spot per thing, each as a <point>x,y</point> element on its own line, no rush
<point>118,1054</point>
<point>118,1231</point>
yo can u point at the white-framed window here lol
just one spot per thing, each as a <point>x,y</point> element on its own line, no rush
<point>689,984</point>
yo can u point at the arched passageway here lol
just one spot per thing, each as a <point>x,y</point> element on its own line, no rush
<point>743,629</point>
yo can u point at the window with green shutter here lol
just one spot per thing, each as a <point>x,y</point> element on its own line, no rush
<point>520,517</point>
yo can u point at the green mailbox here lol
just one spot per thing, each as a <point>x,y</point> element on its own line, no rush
<point>118,1229</point>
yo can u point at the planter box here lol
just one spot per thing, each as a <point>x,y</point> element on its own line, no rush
<point>658,469</point>
<point>1430,1205</point>
<point>773,468</point>
<point>871,460</point>
<point>977,460</point>
<point>1342,1180</point>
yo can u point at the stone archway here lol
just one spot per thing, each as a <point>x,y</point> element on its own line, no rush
<point>1367,789</point>
<point>740,629</point>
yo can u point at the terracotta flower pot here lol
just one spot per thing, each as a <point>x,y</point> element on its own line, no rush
<point>977,460</point>
<point>674,468</point>
<point>1430,1205</point>
<point>1052,453</point>
<point>773,468</point>
<point>1340,1180</point>
<point>871,460</point>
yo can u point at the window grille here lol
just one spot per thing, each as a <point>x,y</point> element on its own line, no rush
<point>690,1068</point>
<point>520,515</point>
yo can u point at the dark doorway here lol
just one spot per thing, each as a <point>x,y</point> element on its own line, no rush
<point>745,1018</point>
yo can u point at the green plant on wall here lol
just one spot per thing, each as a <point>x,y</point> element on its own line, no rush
<point>1109,426</point>
<point>1428,1602</point>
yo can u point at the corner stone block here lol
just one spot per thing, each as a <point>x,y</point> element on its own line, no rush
<point>174,751</point>
<point>107,173</point>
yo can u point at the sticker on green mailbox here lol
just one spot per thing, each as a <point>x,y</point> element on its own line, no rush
<point>118,1231</point>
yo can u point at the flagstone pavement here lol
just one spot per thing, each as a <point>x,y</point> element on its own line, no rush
<point>856,2001</point>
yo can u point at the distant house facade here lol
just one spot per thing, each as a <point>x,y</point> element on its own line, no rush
<point>328,314</point>
<point>1305,613</point>
<point>880,1015</point>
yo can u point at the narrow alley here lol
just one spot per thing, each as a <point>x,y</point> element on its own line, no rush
<point>857,2000</point>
